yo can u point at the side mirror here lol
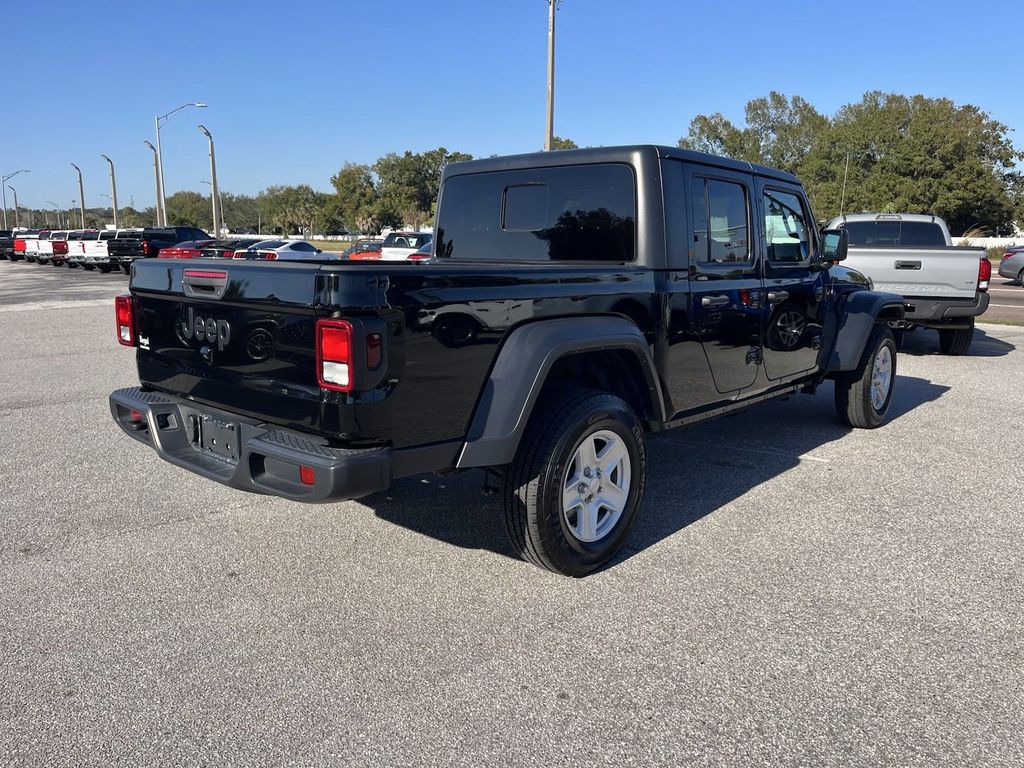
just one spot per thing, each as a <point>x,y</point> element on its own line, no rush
<point>834,243</point>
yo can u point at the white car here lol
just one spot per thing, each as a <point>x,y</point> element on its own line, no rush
<point>399,246</point>
<point>283,250</point>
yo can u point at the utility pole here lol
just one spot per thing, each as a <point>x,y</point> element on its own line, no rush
<point>156,176</point>
<point>81,194</point>
<point>161,198</point>
<point>217,212</point>
<point>16,224</point>
<point>842,201</point>
<point>113,188</point>
<point>3,189</point>
<point>549,137</point>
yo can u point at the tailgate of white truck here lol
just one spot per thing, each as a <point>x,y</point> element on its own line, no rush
<point>950,273</point>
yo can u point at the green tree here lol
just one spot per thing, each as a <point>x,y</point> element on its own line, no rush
<point>910,154</point>
<point>407,184</point>
<point>557,142</point>
<point>189,209</point>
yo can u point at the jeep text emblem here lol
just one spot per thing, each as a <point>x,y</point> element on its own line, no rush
<point>206,329</point>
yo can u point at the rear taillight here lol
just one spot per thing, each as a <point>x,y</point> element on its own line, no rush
<point>984,274</point>
<point>178,253</point>
<point>418,257</point>
<point>1007,255</point>
<point>124,310</point>
<point>334,354</point>
<point>365,256</point>
<point>270,256</point>
<point>146,250</point>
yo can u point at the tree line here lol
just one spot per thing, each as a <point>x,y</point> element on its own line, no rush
<point>907,154</point>
<point>910,154</point>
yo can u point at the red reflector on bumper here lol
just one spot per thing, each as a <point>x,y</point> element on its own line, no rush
<point>136,416</point>
<point>307,475</point>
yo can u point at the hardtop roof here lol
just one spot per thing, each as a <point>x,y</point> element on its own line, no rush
<point>620,154</point>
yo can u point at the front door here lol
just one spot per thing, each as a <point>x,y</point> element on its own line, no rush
<point>725,276</point>
<point>792,298</point>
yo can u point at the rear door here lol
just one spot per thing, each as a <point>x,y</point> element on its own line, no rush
<point>793,293</point>
<point>725,275</point>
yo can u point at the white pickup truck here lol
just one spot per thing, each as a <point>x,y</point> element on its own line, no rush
<point>91,252</point>
<point>943,286</point>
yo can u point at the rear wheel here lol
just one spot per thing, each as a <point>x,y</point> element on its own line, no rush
<point>126,268</point>
<point>104,268</point>
<point>88,267</point>
<point>1020,278</point>
<point>573,490</point>
<point>863,396</point>
<point>956,341</point>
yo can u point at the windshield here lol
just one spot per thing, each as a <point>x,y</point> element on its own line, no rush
<point>406,239</point>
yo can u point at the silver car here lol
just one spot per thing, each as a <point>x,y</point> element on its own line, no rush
<point>284,250</point>
<point>1012,265</point>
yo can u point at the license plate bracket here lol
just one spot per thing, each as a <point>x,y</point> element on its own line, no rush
<point>216,436</point>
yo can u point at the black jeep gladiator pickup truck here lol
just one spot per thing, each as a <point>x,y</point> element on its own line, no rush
<point>575,302</point>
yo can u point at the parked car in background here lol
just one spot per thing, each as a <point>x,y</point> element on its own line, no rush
<point>190,249</point>
<point>397,246</point>
<point>77,247</point>
<point>943,286</point>
<point>284,250</point>
<point>36,248</point>
<point>6,243</point>
<point>132,244</point>
<point>1012,264</point>
<point>72,243</point>
<point>424,253</point>
<point>95,250</point>
<point>51,248</point>
<point>363,250</point>
<point>21,240</point>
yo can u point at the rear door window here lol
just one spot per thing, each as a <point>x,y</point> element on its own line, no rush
<point>721,221</point>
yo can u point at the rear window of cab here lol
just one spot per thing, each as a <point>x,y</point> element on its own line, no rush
<point>567,213</point>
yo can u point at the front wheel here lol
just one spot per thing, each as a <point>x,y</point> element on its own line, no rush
<point>956,341</point>
<point>574,489</point>
<point>864,395</point>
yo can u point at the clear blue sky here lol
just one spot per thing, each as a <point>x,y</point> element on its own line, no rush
<point>298,88</point>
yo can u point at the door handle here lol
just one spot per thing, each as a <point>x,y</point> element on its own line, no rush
<point>714,301</point>
<point>908,265</point>
<point>778,295</point>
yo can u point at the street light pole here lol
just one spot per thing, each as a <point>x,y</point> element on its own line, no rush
<point>156,177</point>
<point>161,197</point>
<point>81,194</point>
<point>57,211</point>
<point>549,137</point>
<point>113,188</point>
<point>3,188</point>
<point>213,184</point>
<point>16,225</point>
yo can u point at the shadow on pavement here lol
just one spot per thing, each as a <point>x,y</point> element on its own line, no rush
<point>692,472</point>
<point>925,341</point>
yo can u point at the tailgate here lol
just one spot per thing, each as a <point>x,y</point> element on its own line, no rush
<point>941,273</point>
<point>237,336</point>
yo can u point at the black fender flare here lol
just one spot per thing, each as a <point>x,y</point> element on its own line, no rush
<point>519,372</point>
<point>858,314</point>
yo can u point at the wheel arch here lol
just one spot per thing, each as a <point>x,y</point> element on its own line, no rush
<point>601,352</point>
<point>858,314</point>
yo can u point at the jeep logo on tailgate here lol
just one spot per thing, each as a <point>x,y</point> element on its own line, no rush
<point>205,329</point>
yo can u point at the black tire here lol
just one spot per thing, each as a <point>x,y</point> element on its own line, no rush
<point>104,268</point>
<point>73,265</point>
<point>956,341</point>
<point>88,267</point>
<point>126,268</point>
<point>532,484</point>
<point>854,404</point>
<point>1020,278</point>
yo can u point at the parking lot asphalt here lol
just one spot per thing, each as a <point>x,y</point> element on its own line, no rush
<point>1006,303</point>
<point>794,593</point>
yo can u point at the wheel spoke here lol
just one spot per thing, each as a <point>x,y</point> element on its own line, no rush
<point>586,521</point>
<point>611,456</point>
<point>571,498</point>
<point>613,497</point>
<point>586,455</point>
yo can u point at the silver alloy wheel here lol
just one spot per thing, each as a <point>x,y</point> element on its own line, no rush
<point>881,378</point>
<point>790,328</point>
<point>595,488</point>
